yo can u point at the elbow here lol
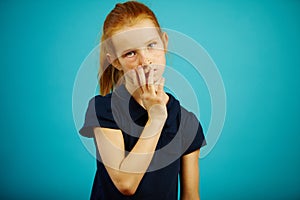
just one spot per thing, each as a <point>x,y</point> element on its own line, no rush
<point>127,191</point>
<point>127,188</point>
<point>194,196</point>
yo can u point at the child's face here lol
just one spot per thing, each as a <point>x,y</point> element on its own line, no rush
<point>141,45</point>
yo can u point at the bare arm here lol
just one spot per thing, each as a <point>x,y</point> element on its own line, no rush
<point>127,172</point>
<point>190,177</point>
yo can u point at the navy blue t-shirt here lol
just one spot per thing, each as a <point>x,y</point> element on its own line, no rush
<point>181,135</point>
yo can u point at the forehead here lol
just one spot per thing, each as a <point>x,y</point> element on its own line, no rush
<point>134,37</point>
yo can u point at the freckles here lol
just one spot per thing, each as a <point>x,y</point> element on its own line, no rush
<point>159,58</point>
<point>128,65</point>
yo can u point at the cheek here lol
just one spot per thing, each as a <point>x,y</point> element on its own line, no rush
<point>159,58</point>
<point>161,65</point>
<point>128,65</point>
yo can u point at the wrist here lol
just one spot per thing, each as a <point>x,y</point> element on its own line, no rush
<point>152,129</point>
<point>158,113</point>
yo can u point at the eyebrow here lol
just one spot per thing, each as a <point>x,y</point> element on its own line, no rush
<point>154,38</point>
<point>129,50</point>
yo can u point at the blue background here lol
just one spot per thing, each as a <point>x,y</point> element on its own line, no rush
<point>255,45</point>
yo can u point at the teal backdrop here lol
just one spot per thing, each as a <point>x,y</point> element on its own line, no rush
<point>255,45</point>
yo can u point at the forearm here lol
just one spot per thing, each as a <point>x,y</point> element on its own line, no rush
<point>138,160</point>
<point>186,196</point>
<point>189,179</point>
<point>135,164</point>
<point>127,172</point>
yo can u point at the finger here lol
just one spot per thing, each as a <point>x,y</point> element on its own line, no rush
<point>160,87</point>
<point>134,77</point>
<point>150,84</point>
<point>131,80</point>
<point>141,77</point>
<point>129,77</point>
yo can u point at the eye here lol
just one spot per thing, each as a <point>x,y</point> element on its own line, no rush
<point>152,44</point>
<point>130,54</point>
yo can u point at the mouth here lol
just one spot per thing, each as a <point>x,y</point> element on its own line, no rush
<point>147,75</point>
<point>147,72</point>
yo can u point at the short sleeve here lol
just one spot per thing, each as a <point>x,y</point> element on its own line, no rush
<point>193,136</point>
<point>98,114</point>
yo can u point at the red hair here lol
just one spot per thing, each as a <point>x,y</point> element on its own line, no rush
<point>124,14</point>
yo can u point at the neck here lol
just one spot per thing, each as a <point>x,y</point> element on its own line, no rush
<point>135,94</point>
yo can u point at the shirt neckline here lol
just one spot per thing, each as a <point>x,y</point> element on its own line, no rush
<point>137,111</point>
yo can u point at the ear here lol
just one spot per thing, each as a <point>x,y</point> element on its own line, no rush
<point>114,62</point>
<point>165,40</point>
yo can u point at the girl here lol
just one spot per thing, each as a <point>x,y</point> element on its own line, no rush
<point>144,138</point>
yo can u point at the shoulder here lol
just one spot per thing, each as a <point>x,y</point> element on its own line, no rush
<point>188,116</point>
<point>180,116</point>
<point>174,106</point>
<point>191,130</point>
<point>99,99</point>
<point>188,121</point>
<point>102,108</point>
<point>100,103</point>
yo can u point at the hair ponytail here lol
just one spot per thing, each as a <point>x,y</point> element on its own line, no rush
<point>109,79</point>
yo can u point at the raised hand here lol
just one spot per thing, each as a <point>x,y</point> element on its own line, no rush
<point>151,94</point>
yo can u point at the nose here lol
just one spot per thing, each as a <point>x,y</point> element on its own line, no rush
<point>145,58</point>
